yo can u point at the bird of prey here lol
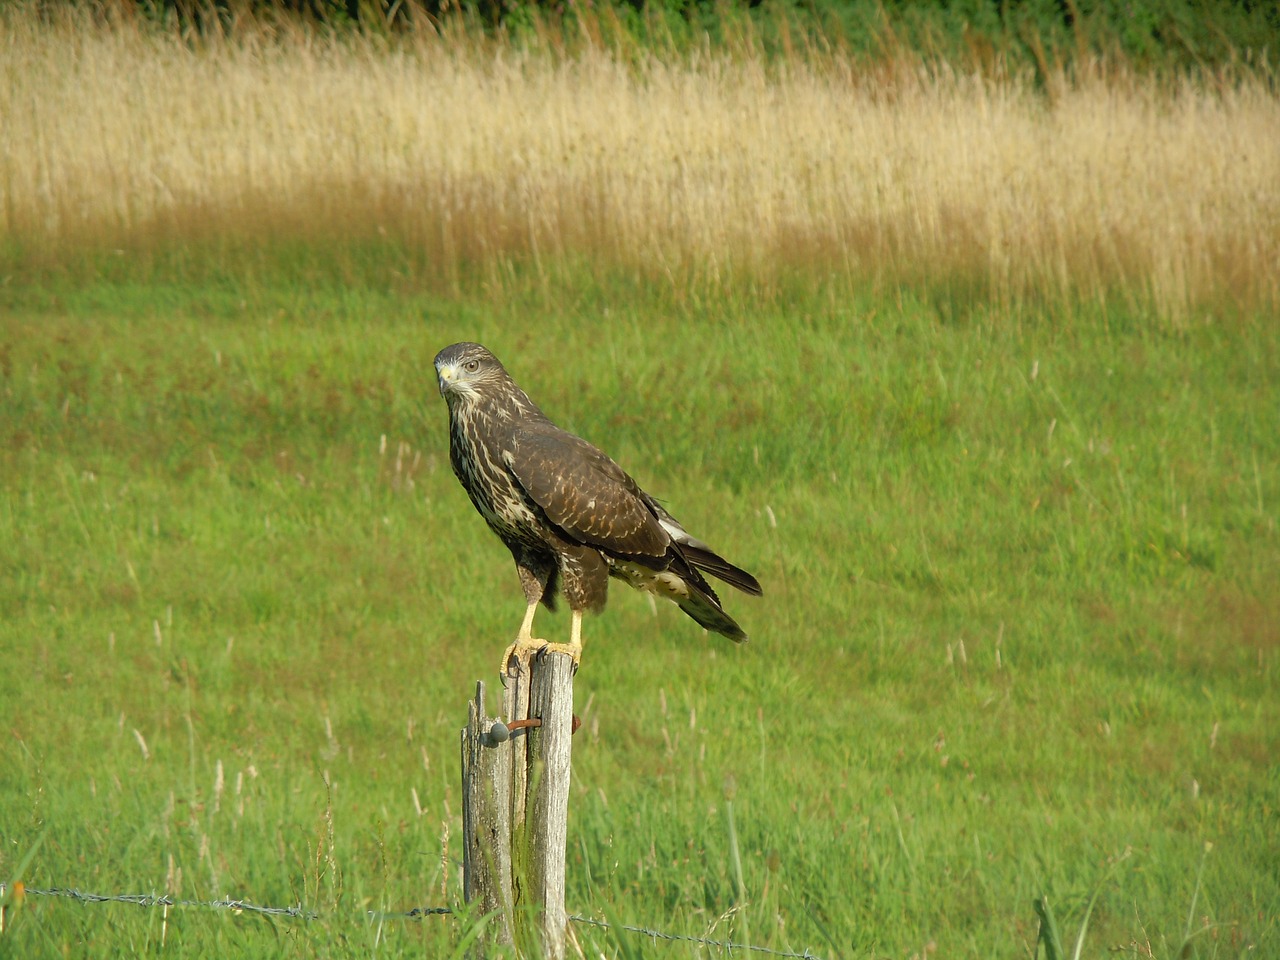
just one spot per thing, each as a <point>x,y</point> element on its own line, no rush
<point>571,517</point>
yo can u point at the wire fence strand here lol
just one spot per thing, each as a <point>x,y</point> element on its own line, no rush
<point>301,913</point>
<point>160,900</point>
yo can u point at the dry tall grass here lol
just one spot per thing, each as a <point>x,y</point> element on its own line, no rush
<point>471,152</point>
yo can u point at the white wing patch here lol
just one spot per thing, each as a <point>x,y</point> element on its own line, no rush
<point>674,530</point>
<point>678,534</point>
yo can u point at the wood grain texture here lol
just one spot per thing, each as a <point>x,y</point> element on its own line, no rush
<point>486,822</point>
<point>516,807</point>
<point>549,753</point>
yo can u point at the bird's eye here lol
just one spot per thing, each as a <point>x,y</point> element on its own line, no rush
<point>472,366</point>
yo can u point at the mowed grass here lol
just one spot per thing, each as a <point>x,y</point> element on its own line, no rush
<point>1014,513</point>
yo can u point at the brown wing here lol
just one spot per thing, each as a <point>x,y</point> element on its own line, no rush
<point>586,494</point>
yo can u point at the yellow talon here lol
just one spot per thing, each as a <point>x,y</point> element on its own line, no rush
<point>517,656</point>
<point>525,647</point>
<point>573,650</point>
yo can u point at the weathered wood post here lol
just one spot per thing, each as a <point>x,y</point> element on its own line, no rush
<point>486,820</point>
<point>515,806</point>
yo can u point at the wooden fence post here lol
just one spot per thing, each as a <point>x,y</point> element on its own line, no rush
<point>515,786</point>
<point>486,821</point>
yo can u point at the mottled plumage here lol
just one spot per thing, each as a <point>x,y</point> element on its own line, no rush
<point>570,515</point>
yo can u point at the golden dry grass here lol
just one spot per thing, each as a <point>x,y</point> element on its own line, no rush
<point>1163,194</point>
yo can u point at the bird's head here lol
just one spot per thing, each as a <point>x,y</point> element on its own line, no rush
<point>463,369</point>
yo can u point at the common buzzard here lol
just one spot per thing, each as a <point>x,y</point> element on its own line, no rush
<point>571,517</point>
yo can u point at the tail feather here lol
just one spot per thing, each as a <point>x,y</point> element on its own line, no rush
<point>709,614</point>
<point>694,595</point>
<point>701,556</point>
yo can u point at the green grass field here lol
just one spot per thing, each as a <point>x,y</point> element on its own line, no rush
<point>1020,621</point>
<point>996,424</point>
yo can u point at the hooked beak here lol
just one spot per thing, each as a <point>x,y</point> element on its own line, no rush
<point>446,374</point>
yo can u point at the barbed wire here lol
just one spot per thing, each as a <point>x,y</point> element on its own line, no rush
<point>300,913</point>
<point>160,900</point>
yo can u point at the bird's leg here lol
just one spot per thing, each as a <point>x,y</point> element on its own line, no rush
<point>525,645</point>
<point>574,647</point>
